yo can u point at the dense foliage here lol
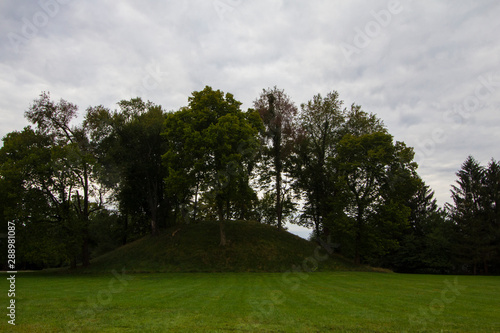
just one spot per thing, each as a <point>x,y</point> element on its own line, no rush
<point>75,191</point>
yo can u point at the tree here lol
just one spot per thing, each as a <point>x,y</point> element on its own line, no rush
<point>355,181</point>
<point>132,145</point>
<point>265,209</point>
<point>492,205</point>
<point>54,120</point>
<point>185,160</point>
<point>475,214</point>
<point>469,215</point>
<point>321,120</point>
<point>221,141</point>
<point>362,163</point>
<point>278,114</point>
<point>425,246</point>
<point>37,186</point>
<point>374,172</point>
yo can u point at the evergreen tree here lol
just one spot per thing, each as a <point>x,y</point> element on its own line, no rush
<point>470,217</point>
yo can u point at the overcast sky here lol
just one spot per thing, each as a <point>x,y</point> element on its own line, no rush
<point>429,69</point>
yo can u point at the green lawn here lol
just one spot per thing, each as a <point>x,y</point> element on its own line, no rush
<point>254,302</point>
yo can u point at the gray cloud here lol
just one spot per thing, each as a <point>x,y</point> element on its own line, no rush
<point>429,70</point>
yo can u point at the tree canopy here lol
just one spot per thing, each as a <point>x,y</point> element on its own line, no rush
<point>75,191</point>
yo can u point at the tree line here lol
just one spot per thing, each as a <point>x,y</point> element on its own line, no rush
<point>75,191</point>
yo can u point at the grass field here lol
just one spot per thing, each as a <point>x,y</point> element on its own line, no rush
<point>253,302</point>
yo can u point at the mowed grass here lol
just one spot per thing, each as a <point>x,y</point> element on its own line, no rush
<point>254,302</point>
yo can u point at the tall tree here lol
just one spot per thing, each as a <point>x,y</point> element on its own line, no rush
<point>427,244</point>
<point>132,145</point>
<point>363,160</point>
<point>356,182</point>
<point>321,121</point>
<point>38,185</point>
<point>492,205</point>
<point>185,160</point>
<point>54,120</point>
<point>221,141</point>
<point>469,215</point>
<point>278,114</point>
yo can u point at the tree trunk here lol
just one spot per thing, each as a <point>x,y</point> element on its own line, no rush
<point>357,240</point>
<point>154,223</point>
<point>86,213</point>
<point>222,233</point>
<point>278,199</point>
<point>73,263</point>
<point>220,212</point>
<point>195,206</point>
<point>357,255</point>
<point>153,208</point>
<point>276,131</point>
<point>278,167</point>
<point>85,252</point>
<point>316,227</point>
<point>125,230</point>
<point>357,258</point>
<point>228,210</point>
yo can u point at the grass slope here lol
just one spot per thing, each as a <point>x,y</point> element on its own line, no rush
<point>252,247</point>
<point>254,302</point>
